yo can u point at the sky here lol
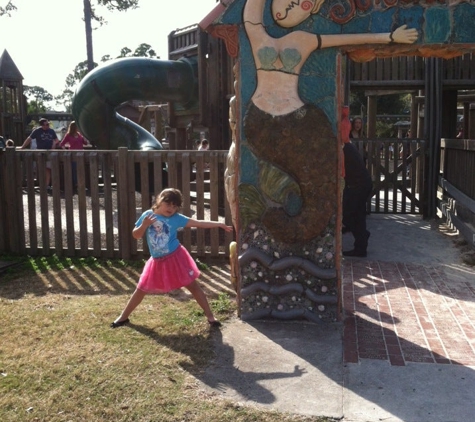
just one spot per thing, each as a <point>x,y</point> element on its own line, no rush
<point>46,39</point>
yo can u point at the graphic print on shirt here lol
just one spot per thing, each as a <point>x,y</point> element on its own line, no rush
<point>159,236</point>
<point>44,138</point>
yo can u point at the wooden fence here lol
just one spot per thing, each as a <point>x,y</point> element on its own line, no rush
<point>397,167</point>
<point>456,191</point>
<point>114,188</point>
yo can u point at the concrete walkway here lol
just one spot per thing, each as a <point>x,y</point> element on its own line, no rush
<point>405,350</point>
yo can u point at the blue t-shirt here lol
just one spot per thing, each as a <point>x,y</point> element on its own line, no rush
<point>161,236</point>
<point>44,138</point>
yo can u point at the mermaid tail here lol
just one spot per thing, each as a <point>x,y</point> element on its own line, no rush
<point>301,144</point>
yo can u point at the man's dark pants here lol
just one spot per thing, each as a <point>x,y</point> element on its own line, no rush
<point>354,214</point>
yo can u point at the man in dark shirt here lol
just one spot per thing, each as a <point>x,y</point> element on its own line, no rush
<point>358,186</point>
<point>45,139</point>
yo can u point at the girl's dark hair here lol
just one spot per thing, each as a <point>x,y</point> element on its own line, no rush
<point>170,196</point>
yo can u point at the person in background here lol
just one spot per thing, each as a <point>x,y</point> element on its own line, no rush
<point>63,132</point>
<point>45,139</point>
<point>74,140</point>
<point>170,266</point>
<point>30,142</point>
<point>204,145</point>
<point>358,186</point>
<point>357,128</point>
<point>9,143</point>
<point>357,132</point>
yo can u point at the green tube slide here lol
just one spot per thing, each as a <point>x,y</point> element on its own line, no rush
<point>137,78</point>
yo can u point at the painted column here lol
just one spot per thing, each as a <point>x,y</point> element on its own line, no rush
<point>288,143</point>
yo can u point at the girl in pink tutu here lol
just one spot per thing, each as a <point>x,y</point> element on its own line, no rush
<point>170,265</point>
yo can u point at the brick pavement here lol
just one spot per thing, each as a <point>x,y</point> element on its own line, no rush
<point>407,312</point>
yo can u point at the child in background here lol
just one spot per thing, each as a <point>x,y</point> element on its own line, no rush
<point>170,266</point>
<point>357,128</point>
<point>204,145</point>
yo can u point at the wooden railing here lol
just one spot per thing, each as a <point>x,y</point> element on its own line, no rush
<point>114,188</point>
<point>409,72</point>
<point>456,193</point>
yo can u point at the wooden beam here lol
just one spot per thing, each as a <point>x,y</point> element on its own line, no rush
<point>378,92</point>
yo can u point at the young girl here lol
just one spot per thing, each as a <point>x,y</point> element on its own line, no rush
<point>170,266</point>
<point>357,128</point>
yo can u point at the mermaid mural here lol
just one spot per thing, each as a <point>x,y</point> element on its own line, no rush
<point>295,143</point>
<point>288,169</point>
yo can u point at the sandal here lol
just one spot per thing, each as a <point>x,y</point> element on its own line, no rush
<point>120,323</point>
<point>214,324</point>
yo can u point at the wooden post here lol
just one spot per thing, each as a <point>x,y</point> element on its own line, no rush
<point>414,109</point>
<point>471,129</point>
<point>449,116</point>
<point>171,140</point>
<point>3,211</point>
<point>420,116</point>
<point>12,222</point>
<point>180,141</point>
<point>372,109</point>
<point>122,192</point>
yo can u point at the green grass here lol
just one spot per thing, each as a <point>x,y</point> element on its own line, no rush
<point>60,360</point>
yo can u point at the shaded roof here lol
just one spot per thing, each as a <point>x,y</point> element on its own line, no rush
<point>217,11</point>
<point>8,69</point>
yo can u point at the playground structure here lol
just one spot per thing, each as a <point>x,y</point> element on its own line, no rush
<point>108,86</point>
<point>213,78</point>
<point>193,83</point>
<point>209,110</point>
<point>12,105</point>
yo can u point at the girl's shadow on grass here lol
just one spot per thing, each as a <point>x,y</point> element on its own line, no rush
<point>199,347</point>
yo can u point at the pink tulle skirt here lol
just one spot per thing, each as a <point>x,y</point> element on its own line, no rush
<point>161,275</point>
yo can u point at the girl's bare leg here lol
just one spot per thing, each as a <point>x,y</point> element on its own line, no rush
<point>48,177</point>
<point>199,295</point>
<point>133,302</point>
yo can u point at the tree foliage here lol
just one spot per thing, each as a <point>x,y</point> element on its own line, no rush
<point>82,69</point>
<point>112,5</point>
<point>72,80</point>
<point>391,104</point>
<point>385,104</point>
<point>143,50</point>
<point>7,9</point>
<point>38,99</point>
<point>91,15</point>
